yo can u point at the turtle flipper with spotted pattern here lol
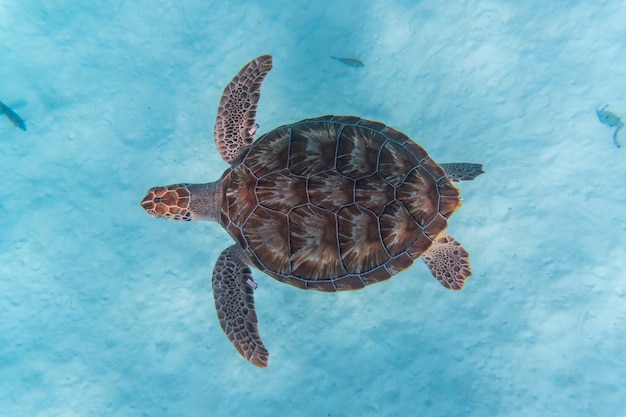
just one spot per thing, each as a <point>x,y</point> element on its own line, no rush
<point>236,115</point>
<point>333,203</point>
<point>234,301</point>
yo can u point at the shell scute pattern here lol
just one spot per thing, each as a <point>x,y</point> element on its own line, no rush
<point>264,225</point>
<point>312,148</point>
<point>399,263</point>
<point>360,233</point>
<point>345,120</point>
<point>281,191</point>
<point>400,138</point>
<point>241,193</point>
<point>435,226</point>
<point>314,254</point>
<point>398,228</point>
<point>271,154</point>
<point>420,195</point>
<point>394,165</point>
<point>420,246</point>
<point>336,203</point>
<point>357,152</point>
<point>378,274</point>
<point>350,282</point>
<point>319,186</point>
<point>434,169</point>
<point>370,124</point>
<point>374,193</point>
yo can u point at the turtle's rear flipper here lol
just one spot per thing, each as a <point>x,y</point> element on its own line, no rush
<point>448,262</point>
<point>462,171</point>
<point>234,302</point>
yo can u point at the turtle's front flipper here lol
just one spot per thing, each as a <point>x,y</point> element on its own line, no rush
<point>236,115</point>
<point>448,262</point>
<point>234,302</point>
<point>462,171</point>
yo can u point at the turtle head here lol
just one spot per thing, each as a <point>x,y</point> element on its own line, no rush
<point>170,202</point>
<point>184,202</point>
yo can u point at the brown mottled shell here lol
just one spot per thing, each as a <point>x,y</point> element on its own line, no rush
<point>335,203</point>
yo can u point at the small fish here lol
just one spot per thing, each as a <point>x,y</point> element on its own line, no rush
<point>612,120</point>
<point>351,62</point>
<point>12,116</point>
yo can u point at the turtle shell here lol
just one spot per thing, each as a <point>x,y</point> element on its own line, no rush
<point>335,203</point>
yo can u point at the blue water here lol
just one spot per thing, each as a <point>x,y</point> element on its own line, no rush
<point>107,312</point>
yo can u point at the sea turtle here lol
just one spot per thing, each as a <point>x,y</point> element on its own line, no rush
<point>332,203</point>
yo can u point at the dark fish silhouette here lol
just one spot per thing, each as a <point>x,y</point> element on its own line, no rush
<point>12,116</point>
<point>351,62</point>
<point>612,120</point>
